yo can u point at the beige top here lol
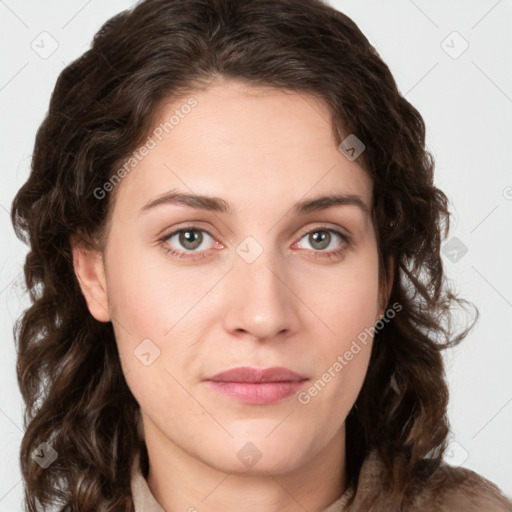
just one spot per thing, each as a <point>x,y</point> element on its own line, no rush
<point>449,489</point>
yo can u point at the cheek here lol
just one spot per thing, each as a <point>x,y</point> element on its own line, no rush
<point>159,313</point>
<point>149,295</point>
<point>348,299</point>
<point>347,305</point>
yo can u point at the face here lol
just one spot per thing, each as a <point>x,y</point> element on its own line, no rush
<point>260,276</point>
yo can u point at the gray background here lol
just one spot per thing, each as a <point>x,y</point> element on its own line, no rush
<point>465,97</point>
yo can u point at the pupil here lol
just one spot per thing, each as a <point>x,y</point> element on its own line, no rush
<point>321,238</point>
<point>188,238</point>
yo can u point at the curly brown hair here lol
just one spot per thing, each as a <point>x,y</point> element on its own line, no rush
<point>101,110</point>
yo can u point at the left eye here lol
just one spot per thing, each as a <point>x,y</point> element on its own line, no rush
<point>320,239</point>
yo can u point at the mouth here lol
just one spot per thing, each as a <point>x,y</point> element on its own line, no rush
<point>257,386</point>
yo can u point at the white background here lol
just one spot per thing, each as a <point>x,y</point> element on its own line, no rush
<point>467,106</point>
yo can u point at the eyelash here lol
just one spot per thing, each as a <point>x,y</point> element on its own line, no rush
<point>346,241</point>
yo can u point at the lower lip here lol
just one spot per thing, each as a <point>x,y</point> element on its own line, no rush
<point>258,393</point>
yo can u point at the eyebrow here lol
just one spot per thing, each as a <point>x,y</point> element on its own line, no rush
<point>216,204</point>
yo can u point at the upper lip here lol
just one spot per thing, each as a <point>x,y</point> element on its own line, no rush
<point>248,374</point>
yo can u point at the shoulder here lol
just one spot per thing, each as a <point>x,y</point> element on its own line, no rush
<point>444,489</point>
<point>455,489</point>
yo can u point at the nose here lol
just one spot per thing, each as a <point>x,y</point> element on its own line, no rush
<point>260,299</point>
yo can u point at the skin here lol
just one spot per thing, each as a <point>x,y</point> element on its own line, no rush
<point>261,151</point>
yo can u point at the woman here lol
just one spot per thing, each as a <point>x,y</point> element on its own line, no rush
<point>238,296</point>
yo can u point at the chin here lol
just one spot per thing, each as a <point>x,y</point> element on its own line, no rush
<point>259,456</point>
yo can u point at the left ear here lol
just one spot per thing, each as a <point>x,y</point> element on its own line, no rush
<point>387,286</point>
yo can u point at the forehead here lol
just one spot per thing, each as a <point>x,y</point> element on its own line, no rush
<point>245,144</point>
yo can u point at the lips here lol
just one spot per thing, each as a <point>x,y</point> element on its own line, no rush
<point>257,386</point>
<point>255,375</point>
